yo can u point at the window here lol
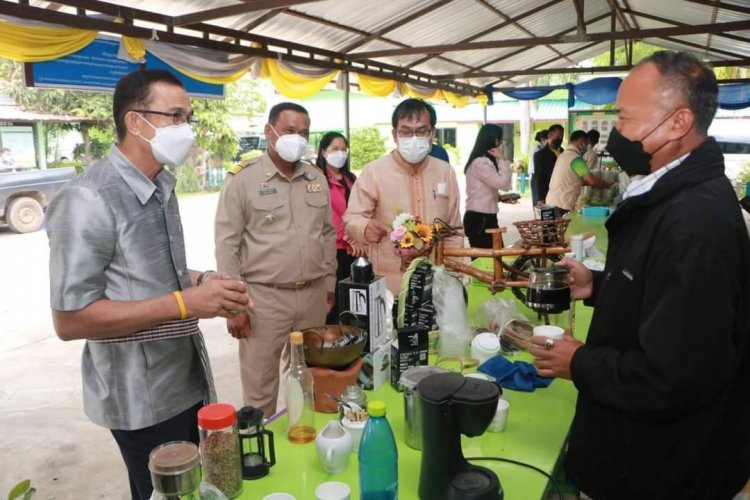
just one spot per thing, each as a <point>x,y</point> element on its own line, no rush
<point>445,136</point>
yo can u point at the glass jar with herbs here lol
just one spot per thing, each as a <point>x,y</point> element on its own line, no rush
<point>220,448</point>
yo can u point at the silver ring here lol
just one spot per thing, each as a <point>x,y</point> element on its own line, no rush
<point>549,344</point>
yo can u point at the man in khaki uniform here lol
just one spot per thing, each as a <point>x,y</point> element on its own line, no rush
<point>273,228</point>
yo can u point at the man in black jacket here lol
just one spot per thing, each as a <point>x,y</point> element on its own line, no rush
<point>663,409</point>
<point>544,162</point>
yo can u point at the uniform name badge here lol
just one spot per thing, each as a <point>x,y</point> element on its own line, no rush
<point>314,188</point>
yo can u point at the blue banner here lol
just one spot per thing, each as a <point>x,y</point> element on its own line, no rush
<point>96,67</point>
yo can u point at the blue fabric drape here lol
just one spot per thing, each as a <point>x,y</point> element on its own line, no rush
<point>530,93</point>
<point>734,96</point>
<point>598,90</point>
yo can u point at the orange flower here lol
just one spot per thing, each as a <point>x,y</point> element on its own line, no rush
<point>407,241</point>
<point>424,232</point>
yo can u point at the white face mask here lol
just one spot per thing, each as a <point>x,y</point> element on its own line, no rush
<point>291,147</point>
<point>337,159</point>
<point>171,144</point>
<point>414,149</point>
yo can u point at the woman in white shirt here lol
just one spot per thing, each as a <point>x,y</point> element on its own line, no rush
<point>487,172</point>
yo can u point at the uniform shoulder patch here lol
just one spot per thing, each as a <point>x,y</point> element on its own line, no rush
<point>238,167</point>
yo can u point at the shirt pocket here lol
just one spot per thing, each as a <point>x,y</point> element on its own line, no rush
<point>316,200</point>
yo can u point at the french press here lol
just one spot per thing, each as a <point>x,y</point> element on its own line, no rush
<point>253,437</point>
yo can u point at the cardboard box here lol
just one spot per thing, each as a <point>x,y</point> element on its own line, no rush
<point>409,350</point>
<point>376,368</point>
<point>367,301</point>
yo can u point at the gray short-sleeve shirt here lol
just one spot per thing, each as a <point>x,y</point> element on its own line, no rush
<point>114,234</point>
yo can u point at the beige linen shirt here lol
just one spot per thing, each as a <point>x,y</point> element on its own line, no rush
<point>274,230</point>
<point>389,186</point>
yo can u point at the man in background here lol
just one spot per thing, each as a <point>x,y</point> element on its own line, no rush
<point>544,162</point>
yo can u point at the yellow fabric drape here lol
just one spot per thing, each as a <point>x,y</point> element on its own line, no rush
<point>291,84</point>
<point>376,86</point>
<point>454,99</point>
<point>135,47</point>
<point>40,43</point>
<point>214,79</point>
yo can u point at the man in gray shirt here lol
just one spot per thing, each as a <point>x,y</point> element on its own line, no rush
<point>119,279</point>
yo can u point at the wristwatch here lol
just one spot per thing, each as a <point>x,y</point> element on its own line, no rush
<point>202,277</point>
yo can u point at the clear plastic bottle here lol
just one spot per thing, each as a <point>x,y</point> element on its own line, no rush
<point>300,398</point>
<point>378,457</point>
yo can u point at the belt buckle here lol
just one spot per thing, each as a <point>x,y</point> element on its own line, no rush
<point>300,284</point>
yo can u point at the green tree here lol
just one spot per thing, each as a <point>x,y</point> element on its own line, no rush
<point>365,145</point>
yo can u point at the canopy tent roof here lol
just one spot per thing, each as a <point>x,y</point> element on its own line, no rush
<point>457,45</point>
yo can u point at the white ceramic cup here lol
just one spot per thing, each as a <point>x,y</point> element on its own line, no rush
<point>549,331</point>
<point>355,429</point>
<point>332,490</point>
<point>501,416</point>
<point>279,496</point>
<point>334,443</point>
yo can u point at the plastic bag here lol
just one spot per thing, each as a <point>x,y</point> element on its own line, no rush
<point>450,313</point>
<point>503,317</point>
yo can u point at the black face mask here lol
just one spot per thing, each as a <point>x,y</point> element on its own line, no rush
<point>631,157</point>
<point>556,143</point>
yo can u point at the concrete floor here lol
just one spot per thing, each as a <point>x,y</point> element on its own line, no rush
<point>45,435</point>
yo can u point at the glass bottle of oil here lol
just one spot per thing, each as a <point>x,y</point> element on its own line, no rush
<point>300,399</point>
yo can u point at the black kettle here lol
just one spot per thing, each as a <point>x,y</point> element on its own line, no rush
<point>362,270</point>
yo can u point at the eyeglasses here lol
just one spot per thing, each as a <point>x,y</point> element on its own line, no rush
<point>178,117</point>
<point>405,133</point>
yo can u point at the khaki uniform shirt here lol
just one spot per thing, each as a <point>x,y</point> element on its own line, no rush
<point>389,186</point>
<point>567,179</point>
<point>274,230</point>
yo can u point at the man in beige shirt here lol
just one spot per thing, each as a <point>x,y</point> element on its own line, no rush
<point>273,228</point>
<point>405,180</point>
<point>570,174</point>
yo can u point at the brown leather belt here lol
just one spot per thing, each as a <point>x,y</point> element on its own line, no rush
<point>297,285</point>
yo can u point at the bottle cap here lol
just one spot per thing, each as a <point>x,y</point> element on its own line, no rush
<point>376,408</point>
<point>296,338</point>
<point>217,416</point>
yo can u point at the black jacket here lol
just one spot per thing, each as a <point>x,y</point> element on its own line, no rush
<point>663,407</point>
<point>544,164</point>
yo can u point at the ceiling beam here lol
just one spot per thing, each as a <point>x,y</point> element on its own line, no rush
<point>262,19</point>
<point>580,24</point>
<point>617,11</point>
<point>723,5</point>
<point>350,29</point>
<point>338,61</point>
<point>677,23</point>
<point>396,24</point>
<point>524,49</point>
<point>700,48</point>
<point>591,37</point>
<point>127,13</point>
<point>244,7</point>
<point>519,26</point>
<point>490,30</point>
<point>586,71</point>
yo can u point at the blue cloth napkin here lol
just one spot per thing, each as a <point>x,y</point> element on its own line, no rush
<point>516,375</point>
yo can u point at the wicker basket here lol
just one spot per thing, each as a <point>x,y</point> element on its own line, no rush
<point>543,232</point>
<point>407,255</point>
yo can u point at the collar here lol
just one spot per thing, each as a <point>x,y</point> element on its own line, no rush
<point>410,167</point>
<point>300,169</point>
<point>141,185</point>
<point>641,184</point>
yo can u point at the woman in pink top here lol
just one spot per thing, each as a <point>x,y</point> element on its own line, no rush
<point>333,160</point>
<point>487,172</point>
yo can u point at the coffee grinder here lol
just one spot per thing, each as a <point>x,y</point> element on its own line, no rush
<point>453,405</point>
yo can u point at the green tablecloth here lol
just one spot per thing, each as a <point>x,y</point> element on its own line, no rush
<point>537,427</point>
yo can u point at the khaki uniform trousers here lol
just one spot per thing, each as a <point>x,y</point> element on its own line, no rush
<point>276,314</point>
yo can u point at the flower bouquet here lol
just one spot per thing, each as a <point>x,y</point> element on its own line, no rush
<point>411,238</point>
